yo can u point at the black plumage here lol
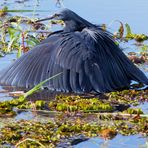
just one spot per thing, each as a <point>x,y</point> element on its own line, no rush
<point>87,56</point>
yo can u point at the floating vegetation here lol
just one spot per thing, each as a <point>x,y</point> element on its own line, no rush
<point>31,133</point>
<point>131,97</point>
<point>37,105</point>
<point>6,108</point>
<point>76,103</point>
<point>7,112</point>
<point>111,102</point>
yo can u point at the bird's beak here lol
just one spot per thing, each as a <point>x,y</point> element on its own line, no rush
<point>45,19</point>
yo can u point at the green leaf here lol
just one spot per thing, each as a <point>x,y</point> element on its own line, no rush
<point>38,87</point>
<point>11,43</point>
<point>12,32</point>
<point>32,40</point>
<point>128,29</point>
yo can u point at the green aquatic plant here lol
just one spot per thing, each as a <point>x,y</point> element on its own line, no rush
<point>21,33</point>
<point>42,134</point>
<point>134,111</point>
<point>76,103</point>
<point>63,103</point>
<point>90,121</point>
<point>6,10</point>
<point>144,51</point>
<point>129,35</point>
<point>37,105</point>
<point>3,11</point>
<point>21,102</point>
<point>39,86</point>
<point>137,37</point>
<point>131,97</point>
<point>15,35</point>
<point>6,107</point>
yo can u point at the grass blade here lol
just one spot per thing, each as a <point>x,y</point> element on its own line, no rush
<point>38,87</point>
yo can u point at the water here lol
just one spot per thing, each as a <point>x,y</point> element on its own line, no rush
<point>118,142</point>
<point>133,12</point>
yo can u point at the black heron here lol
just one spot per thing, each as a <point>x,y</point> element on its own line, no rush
<point>87,56</point>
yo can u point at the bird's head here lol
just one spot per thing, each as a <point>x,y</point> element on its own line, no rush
<point>63,15</point>
<point>71,19</point>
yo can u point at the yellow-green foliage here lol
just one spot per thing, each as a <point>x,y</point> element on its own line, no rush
<point>76,103</point>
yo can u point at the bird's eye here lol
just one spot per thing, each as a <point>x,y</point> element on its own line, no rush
<point>57,15</point>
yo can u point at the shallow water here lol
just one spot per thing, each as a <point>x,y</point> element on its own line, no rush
<point>118,142</point>
<point>134,12</point>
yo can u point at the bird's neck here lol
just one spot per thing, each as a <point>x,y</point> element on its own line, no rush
<point>79,25</point>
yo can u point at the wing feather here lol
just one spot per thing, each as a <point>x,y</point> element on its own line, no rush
<point>89,61</point>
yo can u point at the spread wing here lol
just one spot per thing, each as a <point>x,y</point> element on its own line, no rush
<point>32,67</point>
<point>116,68</point>
<point>94,62</point>
<point>89,61</point>
<point>61,52</point>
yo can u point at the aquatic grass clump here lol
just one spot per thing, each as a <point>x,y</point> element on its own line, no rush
<point>9,108</point>
<point>129,35</point>
<point>137,37</point>
<point>37,105</point>
<point>21,33</point>
<point>6,107</point>
<point>76,103</point>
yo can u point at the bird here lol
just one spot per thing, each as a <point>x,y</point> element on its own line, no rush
<point>87,56</point>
